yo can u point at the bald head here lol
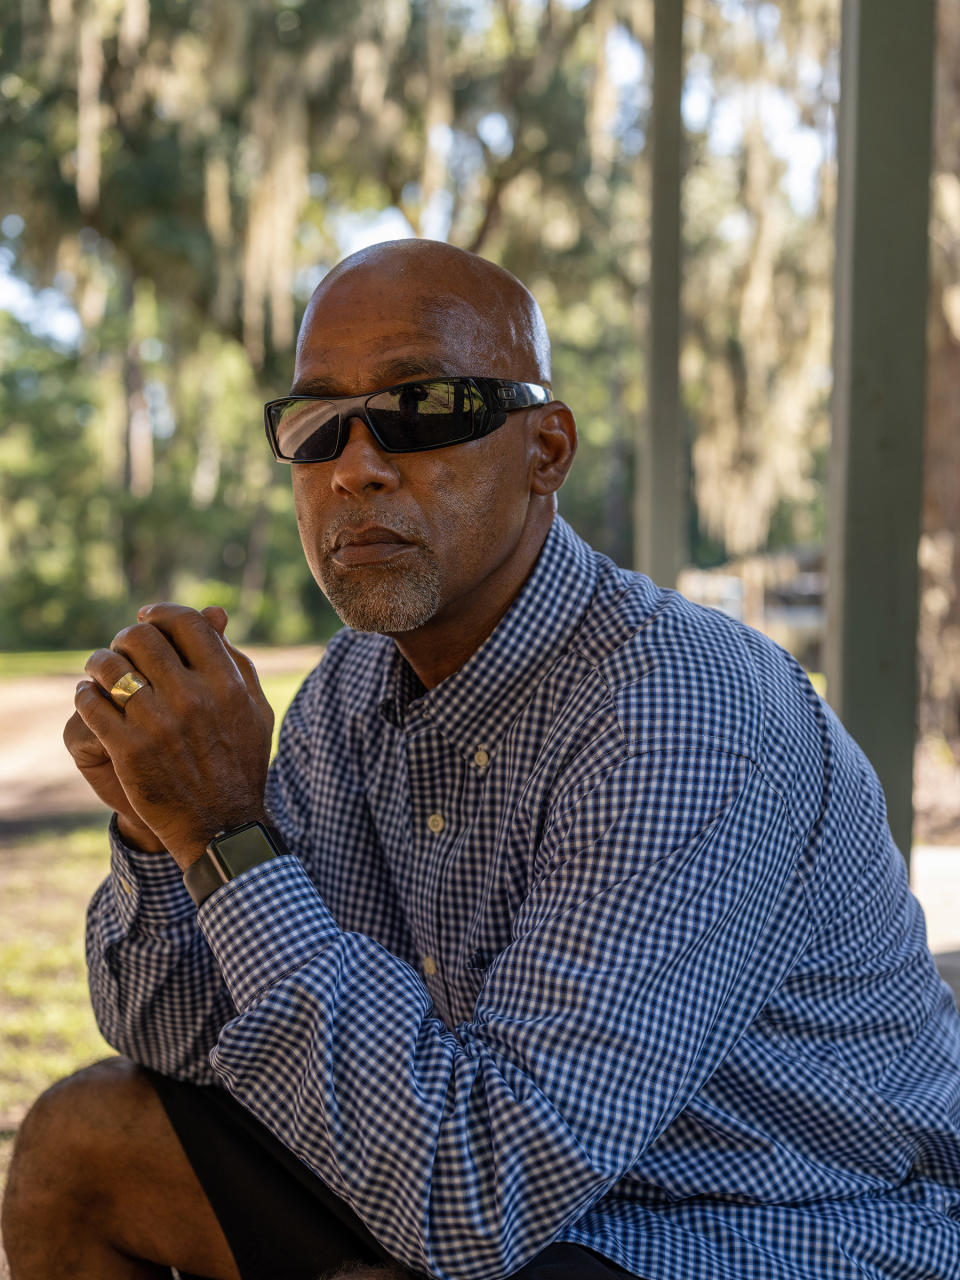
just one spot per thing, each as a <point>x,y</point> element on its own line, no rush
<point>484,312</point>
<point>450,530</point>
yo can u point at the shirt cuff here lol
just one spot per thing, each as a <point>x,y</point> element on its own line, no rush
<point>148,889</point>
<point>265,924</point>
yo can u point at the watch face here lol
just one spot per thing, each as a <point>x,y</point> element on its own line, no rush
<point>243,849</point>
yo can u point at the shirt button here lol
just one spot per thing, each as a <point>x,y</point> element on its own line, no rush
<point>436,823</point>
<point>482,758</point>
<point>429,966</point>
<point>125,885</point>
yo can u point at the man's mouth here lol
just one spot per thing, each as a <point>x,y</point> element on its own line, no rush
<point>369,544</point>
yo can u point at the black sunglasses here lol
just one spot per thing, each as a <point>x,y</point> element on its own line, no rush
<point>429,414</point>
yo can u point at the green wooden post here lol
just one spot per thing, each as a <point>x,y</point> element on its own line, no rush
<point>659,507</point>
<point>876,461</point>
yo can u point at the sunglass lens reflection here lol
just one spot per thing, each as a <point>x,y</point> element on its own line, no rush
<point>307,429</point>
<point>423,416</point>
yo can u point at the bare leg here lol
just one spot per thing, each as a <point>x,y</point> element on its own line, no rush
<point>99,1186</point>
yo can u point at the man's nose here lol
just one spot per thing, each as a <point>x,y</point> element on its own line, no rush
<point>363,464</point>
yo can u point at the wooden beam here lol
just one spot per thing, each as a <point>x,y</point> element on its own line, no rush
<point>876,460</point>
<point>659,513</point>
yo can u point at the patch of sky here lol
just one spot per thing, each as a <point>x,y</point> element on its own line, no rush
<point>473,15</point>
<point>466,157</point>
<point>436,217</point>
<point>734,226</point>
<point>803,168</point>
<point>355,231</point>
<point>761,21</point>
<point>306,279</point>
<point>626,63</point>
<point>151,350</point>
<point>767,21</point>
<point>801,148</point>
<point>810,76</point>
<point>45,312</point>
<point>633,141</point>
<point>831,77</point>
<point>726,125</point>
<point>162,422</point>
<point>697,101</point>
<point>494,131</point>
<point>625,58</point>
<point>440,140</point>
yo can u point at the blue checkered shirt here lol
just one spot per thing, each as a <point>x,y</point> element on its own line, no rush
<point>603,939</point>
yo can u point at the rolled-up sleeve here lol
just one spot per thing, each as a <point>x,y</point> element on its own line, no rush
<point>156,989</point>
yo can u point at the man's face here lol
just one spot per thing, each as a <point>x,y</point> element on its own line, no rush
<point>398,541</point>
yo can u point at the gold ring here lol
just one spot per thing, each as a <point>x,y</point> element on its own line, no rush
<point>128,684</point>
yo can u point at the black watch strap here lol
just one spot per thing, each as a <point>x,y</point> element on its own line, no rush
<point>228,855</point>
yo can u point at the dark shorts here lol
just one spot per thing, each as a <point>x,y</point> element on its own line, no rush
<point>281,1221</point>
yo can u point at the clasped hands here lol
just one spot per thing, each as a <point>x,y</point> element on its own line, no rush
<point>186,756</point>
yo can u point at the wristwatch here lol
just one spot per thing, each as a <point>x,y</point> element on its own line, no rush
<point>228,855</point>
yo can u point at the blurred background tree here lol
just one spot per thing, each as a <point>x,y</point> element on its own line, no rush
<point>177,177</point>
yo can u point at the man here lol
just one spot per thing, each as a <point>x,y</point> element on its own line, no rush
<point>593,954</point>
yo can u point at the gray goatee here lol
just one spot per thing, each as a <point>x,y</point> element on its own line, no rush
<point>390,597</point>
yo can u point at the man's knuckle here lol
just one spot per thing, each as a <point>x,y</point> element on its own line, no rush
<point>123,637</point>
<point>74,730</point>
<point>196,622</point>
<point>168,610</point>
<point>84,699</point>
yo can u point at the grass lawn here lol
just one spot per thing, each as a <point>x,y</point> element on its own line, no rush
<point>58,662</point>
<point>47,878</point>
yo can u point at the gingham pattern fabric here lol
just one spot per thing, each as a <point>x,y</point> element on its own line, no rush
<point>604,939</point>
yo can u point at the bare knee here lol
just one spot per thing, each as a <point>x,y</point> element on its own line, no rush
<point>98,1175</point>
<point>67,1147</point>
<point>80,1117</point>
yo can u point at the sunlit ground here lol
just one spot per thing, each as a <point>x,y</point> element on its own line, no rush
<point>46,880</point>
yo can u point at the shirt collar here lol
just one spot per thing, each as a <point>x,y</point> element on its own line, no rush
<point>475,705</point>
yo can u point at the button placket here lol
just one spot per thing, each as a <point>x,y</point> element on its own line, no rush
<point>433,809</point>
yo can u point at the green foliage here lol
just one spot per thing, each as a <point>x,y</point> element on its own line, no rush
<point>53,534</point>
<point>184,183</point>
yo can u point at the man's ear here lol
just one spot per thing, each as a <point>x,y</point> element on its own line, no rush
<point>554,444</point>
